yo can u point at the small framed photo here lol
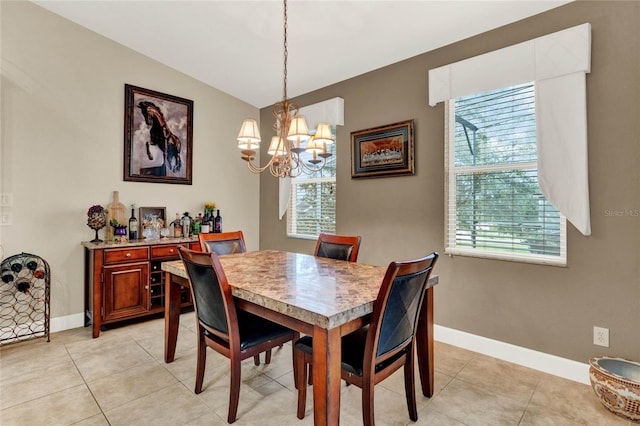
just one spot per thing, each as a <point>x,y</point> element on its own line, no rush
<point>383,151</point>
<point>148,214</point>
<point>158,137</point>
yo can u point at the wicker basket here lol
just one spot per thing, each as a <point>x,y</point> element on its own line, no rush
<point>616,382</point>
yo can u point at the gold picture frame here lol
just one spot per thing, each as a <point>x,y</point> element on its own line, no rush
<point>383,151</point>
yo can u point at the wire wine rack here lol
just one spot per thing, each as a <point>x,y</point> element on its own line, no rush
<point>24,298</point>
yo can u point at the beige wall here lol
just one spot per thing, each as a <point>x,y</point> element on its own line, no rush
<point>544,308</point>
<point>62,142</point>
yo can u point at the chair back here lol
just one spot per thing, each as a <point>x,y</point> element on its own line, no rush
<point>210,291</point>
<point>395,315</point>
<point>341,247</point>
<point>222,243</point>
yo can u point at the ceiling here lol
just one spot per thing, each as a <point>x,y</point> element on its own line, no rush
<point>236,45</point>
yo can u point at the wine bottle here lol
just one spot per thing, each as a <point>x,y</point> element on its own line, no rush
<point>177,227</point>
<point>212,229</point>
<point>133,225</point>
<point>204,223</point>
<point>217,226</point>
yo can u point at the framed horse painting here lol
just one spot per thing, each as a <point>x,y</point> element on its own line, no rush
<point>158,137</point>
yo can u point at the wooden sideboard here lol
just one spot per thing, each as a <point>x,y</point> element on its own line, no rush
<point>124,280</point>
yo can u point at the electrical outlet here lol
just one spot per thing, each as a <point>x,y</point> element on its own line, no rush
<point>601,336</point>
<point>6,199</point>
<point>6,219</point>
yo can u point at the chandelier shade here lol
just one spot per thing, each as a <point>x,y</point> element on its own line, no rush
<point>323,133</point>
<point>292,132</point>
<point>276,147</point>
<point>249,136</point>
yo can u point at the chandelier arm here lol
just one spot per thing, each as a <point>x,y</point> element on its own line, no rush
<point>258,169</point>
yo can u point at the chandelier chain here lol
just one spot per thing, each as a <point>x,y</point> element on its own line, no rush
<point>285,148</point>
<point>286,52</point>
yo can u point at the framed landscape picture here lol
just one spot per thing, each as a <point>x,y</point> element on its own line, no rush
<point>383,151</point>
<point>158,137</point>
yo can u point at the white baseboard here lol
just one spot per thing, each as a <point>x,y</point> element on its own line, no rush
<point>562,367</point>
<point>67,322</point>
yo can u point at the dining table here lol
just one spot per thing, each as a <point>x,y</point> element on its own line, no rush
<point>321,297</point>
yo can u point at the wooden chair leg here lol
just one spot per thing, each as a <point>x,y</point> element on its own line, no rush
<point>299,374</point>
<point>200,364</point>
<point>410,386</point>
<point>367,404</point>
<point>234,391</point>
<point>267,357</point>
<point>256,359</point>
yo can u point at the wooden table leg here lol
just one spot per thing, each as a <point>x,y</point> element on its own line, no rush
<point>326,376</point>
<point>424,342</point>
<point>171,316</point>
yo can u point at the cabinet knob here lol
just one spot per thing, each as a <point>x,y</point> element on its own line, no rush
<point>146,287</point>
<point>128,255</point>
<point>170,250</point>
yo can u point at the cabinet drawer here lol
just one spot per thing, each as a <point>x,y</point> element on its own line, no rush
<point>170,250</point>
<point>125,254</point>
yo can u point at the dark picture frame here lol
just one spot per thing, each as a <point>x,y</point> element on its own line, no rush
<point>383,151</point>
<point>145,214</point>
<point>158,137</point>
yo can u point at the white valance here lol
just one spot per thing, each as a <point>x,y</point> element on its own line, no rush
<point>557,63</point>
<point>330,111</point>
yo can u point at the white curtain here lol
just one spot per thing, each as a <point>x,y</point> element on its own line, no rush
<point>557,63</point>
<point>330,111</point>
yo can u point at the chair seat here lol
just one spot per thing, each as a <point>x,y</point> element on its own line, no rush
<point>352,351</point>
<point>255,330</point>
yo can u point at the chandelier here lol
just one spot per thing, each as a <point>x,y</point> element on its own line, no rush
<point>292,136</point>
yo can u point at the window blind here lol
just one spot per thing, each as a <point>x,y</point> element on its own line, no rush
<point>312,205</point>
<point>495,208</point>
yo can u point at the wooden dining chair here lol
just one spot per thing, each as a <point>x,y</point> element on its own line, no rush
<point>375,351</point>
<point>228,243</point>
<point>223,242</point>
<point>234,333</point>
<point>341,247</point>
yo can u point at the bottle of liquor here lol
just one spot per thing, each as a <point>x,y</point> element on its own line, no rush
<point>196,224</point>
<point>217,226</point>
<point>186,225</point>
<point>133,225</point>
<point>177,227</point>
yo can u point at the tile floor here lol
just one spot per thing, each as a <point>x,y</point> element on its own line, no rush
<point>120,379</point>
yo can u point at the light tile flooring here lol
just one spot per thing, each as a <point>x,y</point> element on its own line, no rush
<point>120,379</point>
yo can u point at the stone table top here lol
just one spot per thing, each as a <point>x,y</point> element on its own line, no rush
<point>319,291</point>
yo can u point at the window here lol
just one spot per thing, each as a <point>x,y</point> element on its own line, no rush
<point>312,205</point>
<point>494,205</point>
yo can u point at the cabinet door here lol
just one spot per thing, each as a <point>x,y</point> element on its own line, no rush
<point>126,290</point>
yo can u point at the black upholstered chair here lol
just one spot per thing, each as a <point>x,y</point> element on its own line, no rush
<point>341,247</point>
<point>236,334</point>
<point>372,353</point>
<point>228,243</point>
<point>222,243</point>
